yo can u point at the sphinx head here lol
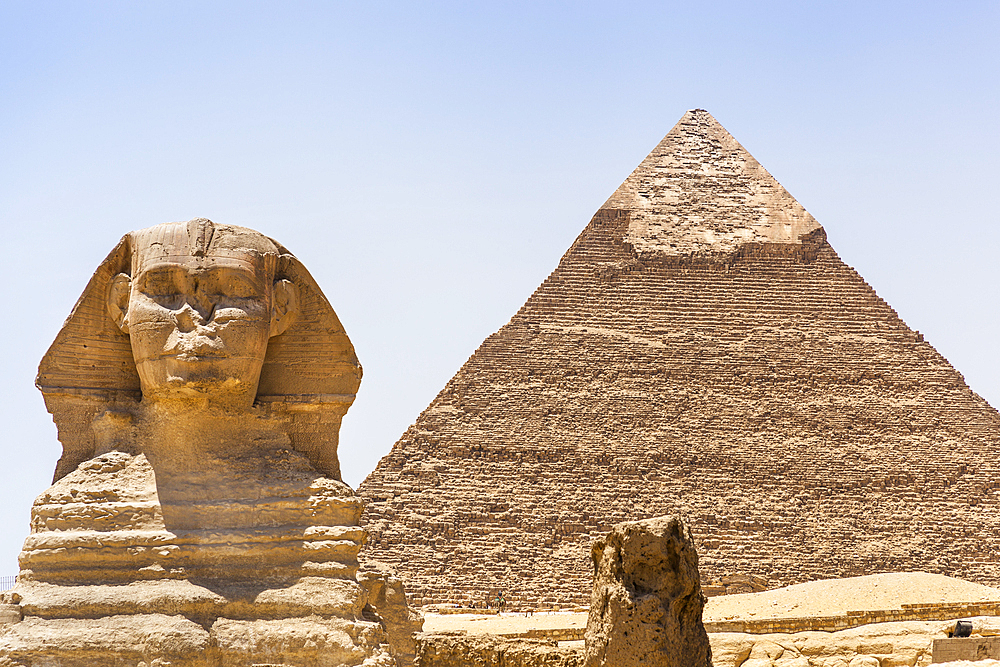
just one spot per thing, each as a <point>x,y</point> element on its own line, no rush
<point>199,305</point>
<point>194,315</point>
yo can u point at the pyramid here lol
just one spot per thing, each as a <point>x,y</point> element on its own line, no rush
<point>702,351</point>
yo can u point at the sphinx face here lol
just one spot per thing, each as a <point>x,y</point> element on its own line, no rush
<point>199,326</point>
<point>199,308</point>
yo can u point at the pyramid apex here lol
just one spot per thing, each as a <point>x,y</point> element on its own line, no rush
<point>700,191</point>
<point>700,114</point>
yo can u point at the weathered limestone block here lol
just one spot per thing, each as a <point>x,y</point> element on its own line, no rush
<point>314,641</point>
<point>387,598</point>
<point>893,644</point>
<point>491,651</point>
<point>890,644</point>
<point>646,605</point>
<point>197,515</point>
<point>133,639</point>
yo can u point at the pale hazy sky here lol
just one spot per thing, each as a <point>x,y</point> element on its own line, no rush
<point>430,162</point>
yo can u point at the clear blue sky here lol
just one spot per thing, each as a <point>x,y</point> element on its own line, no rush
<point>430,162</point>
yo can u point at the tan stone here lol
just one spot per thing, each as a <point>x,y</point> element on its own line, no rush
<point>908,643</point>
<point>898,643</point>
<point>197,514</point>
<point>863,661</point>
<point>387,596</point>
<point>492,651</point>
<point>646,605</point>
<point>131,639</point>
<point>267,333</point>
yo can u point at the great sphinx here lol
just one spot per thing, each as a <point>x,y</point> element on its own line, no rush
<point>197,515</point>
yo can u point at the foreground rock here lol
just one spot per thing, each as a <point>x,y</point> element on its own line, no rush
<point>387,598</point>
<point>647,602</point>
<point>197,515</point>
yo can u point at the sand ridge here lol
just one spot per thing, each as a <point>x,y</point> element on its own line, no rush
<point>836,597</point>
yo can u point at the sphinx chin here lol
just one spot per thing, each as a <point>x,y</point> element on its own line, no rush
<point>202,374</point>
<point>201,386</point>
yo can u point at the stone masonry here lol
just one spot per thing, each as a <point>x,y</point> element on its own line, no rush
<point>700,351</point>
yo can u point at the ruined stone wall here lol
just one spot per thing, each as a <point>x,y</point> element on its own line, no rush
<point>766,394</point>
<point>492,651</point>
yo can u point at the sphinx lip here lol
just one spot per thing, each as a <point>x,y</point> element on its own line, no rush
<point>191,356</point>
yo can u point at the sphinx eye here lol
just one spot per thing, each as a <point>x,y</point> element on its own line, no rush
<point>232,287</point>
<point>239,289</point>
<point>160,285</point>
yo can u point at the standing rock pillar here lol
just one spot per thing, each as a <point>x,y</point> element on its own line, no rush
<point>646,604</point>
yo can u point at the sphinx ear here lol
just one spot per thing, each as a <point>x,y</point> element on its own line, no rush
<point>118,295</point>
<point>285,306</point>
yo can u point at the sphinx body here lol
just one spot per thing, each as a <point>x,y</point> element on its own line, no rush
<point>197,516</point>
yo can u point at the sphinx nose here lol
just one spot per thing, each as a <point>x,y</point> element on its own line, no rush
<point>202,304</point>
<point>193,315</point>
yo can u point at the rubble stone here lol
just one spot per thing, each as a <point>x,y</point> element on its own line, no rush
<point>492,651</point>
<point>646,605</point>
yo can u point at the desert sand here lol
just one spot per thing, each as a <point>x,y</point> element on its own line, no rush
<point>836,597</point>
<point>832,597</point>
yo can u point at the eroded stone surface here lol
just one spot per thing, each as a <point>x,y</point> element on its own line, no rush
<point>387,597</point>
<point>898,644</point>
<point>646,605</point>
<point>199,309</point>
<point>492,651</point>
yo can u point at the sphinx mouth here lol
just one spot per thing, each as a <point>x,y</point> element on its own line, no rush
<point>201,355</point>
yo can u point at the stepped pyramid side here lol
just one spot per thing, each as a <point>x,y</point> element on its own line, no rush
<point>701,351</point>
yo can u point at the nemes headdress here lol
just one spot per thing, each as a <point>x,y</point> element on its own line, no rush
<point>310,373</point>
